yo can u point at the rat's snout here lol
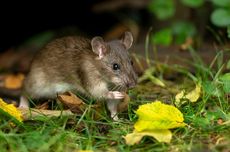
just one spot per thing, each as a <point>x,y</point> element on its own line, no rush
<point>131,84</point>
<point>132,81</point>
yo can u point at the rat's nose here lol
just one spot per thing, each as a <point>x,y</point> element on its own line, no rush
<point>132,80</point>
<point>131,84</point>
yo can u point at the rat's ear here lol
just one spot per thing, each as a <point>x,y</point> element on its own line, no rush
<point>99,46</point>
<point>127,39</point>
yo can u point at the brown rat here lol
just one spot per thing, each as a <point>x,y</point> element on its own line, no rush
<point>95,68</point>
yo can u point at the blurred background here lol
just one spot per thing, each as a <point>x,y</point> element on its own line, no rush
<point>170,25</point>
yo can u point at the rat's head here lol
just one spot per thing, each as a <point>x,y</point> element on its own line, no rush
<point>117,67</point>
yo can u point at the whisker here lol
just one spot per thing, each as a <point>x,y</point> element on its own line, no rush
<point>115,87</point>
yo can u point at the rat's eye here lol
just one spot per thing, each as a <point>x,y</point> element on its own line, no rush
<point>131,62</point>
<point>116,66</point>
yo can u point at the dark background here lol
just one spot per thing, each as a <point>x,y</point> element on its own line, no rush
<point>19,21</point>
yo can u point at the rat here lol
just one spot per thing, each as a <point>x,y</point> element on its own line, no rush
<point>95,68</point>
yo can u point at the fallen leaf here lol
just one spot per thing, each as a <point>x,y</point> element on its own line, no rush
<point>14,81</point>
<point>160,135</point>
<point>43,106</point>
<point>75,104</point>
<point>179,98</point>
<point>11,110</point>
<point>192,96</point>
<point>32,113</point>
<point>157,115</point>
<point>220,121</point>
<point>187,44</point>
<point>155,119</point>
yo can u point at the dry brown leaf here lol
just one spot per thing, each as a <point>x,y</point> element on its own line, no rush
<point>220,121</point>
<point>75,104</point>
<point>14,81</point>
<point>187,44</point>
<point>32,113</point>
<point>43,106</point>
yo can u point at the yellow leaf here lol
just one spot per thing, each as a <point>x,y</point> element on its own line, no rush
<point>155,119</point>
<point>14,81</point>
<point>11,110</point>
<point>179,97</point>
<point>192,96</point>
<point>158,116</point>
<point>160,135</point>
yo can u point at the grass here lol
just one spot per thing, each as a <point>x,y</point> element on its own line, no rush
<point>208,119</point>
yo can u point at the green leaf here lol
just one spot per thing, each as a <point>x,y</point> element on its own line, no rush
<point>225,77</point>
<point>163,37</point>
<point>214,115</point>
<point>184,27</point>
<point>193,3</point>
<point>228,31</point>
<point>228,65</point>
<point>208,118</point>
<point>183,30</point>
<point>201,122</point>
<point>222,3</point>
<point>226,82</point>
<point>221,17</point>
<point>211,88</point>
<point>163,9</point>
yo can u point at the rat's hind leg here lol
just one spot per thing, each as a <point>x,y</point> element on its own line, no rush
<point>24,103</point>
<point>112,106</point>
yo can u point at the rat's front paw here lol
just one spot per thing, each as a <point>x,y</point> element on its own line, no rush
<point>115,95</point>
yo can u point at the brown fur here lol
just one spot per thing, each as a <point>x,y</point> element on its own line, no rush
<point>80,65</point>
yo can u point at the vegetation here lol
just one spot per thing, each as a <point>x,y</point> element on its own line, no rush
<point>207,120</point>
<point>179,29</point>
